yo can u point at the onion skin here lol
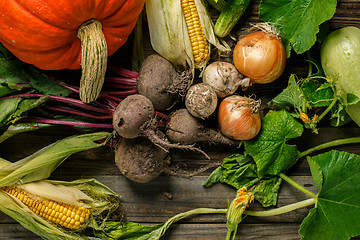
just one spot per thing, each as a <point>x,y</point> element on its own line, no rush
<point>224,78</point>
<point>260,56</point>
<point>238,117</point>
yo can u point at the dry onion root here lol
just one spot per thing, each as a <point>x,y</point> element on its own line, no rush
<point>260,55</point>
<point>239,118</point>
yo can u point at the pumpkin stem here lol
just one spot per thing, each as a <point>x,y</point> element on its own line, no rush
<point>93,59</point>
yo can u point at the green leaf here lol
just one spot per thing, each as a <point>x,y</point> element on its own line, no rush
<point>352,99</point>
<point>27,104</point>
<point>125,230</point>
<point>13,109</point>
<point>269,149</point>
<point>236,170</point>
<point>291,96</point>
<point>339,116</point>
<point>317,92</point>
<point>21,128</point>
<point>239,171</point>
<point>215,177</point>
<point>11,76</point>
<point>316,173</point>
<point>7,108</point>
<point>266,191</point>
<point>297,20</point>
<point>46,84</point>
<point>337,211</point>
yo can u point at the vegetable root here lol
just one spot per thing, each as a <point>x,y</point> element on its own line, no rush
<point>139,160</point>
<point>135,117</point>
<point>183,128</point>
<point>131,114</point>
<point>161,83</point>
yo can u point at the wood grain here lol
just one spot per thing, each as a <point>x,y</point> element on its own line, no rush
<point>166,196</point>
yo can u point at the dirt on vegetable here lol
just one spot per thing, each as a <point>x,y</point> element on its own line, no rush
<point>140,160</point>
<point>161,83</point>
<point>183,128</point>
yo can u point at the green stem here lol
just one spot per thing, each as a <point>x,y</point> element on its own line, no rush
<point>228,235</point>
<point>296,185</point>
<point>94,55</point>
<point>310,64</point>
<point>329,144</point>
<point>327,110</point>
<point>161,231</point>
<point>281,210</point>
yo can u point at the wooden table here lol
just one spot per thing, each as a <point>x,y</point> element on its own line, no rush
<point>167,196</point>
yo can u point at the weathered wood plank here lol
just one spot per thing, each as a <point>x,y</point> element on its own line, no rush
<point>166,196</point>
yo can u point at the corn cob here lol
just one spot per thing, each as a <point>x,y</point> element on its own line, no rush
<point>199,43</point>
<point>66,215</point>
<point>182,32</point>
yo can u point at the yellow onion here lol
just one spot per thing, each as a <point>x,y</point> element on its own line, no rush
<point>239,118</point>
<point>260,56</point>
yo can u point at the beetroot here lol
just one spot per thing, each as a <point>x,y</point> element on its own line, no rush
<point>131,114</point>
<point>139,160</point>
<point>135,117</point>
<point>183,128</point>
<point>161,83</point>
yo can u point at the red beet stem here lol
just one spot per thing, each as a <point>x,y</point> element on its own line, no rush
<point>121,80</point>
<point>77,112</point>
<point>122,71</point>
<point>122,94</point>
<point>72,101</point>
<point>70,123</point>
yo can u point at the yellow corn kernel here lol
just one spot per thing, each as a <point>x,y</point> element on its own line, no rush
<point>64,214</point>
<point>199,43</point>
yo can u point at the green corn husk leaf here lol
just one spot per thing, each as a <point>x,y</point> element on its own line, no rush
<point>169,36</point>
<point>99,199</point>
<point>31,174</point>
<point>42,163</point>
<point>31,221</point>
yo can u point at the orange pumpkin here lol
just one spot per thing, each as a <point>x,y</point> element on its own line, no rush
<point>68,34</point>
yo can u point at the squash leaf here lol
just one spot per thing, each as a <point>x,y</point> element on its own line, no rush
<point>336,213</point>
<point>291,96</point>
<point>269,149</point>
<point>306,94</point>
<point>240,171</point>
<point>236,170</point>
<point>297,20</point>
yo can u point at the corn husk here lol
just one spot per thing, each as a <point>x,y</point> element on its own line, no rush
<point>42,163</point>
<point>95,195</point>
<point>31,174</point>
<point>169,36</point>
